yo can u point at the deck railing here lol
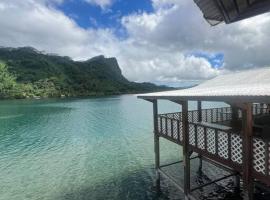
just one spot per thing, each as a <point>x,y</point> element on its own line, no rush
<point>224,146</point>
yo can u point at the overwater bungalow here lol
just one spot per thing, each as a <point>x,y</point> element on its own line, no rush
<point>235,138</point>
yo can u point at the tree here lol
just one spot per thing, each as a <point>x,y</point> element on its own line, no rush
<point>7,82</point>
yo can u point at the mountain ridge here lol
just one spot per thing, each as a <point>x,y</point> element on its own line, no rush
<point>32,73</point>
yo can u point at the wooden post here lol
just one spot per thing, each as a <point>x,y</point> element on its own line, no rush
<point>235,117</point>
<point>199,108</point>
<point>247,151</point>
<point>186,155</point>
<point>156,144</point>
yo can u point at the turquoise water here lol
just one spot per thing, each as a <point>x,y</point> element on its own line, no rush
<point>99,148</point>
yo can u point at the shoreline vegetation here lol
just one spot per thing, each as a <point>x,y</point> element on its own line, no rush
<point>26,73</point>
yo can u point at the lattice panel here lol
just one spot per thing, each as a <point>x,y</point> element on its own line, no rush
<point>170,115</point>
<point>219,118</point>
<point>181,131</point>
<point>195,117</point>
<point>214,115</point>
<point>268,161</point>
<point>223,144</point>
<point>163,123</point>
<point>259,155</point>
<point>190,116</point>
<point>200,136</point>
<point>192,134</point>
<point>237,149</point>
<point>169,127</point>
<point>159,124</point>
<point>209,115</point>
<point>204,115</point>
<point>175,129</point>
<point>211,143</point>
<point>177,116</point>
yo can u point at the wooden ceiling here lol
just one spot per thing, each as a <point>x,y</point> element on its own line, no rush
<point>229,11</point>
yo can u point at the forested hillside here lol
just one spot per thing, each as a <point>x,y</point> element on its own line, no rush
<point>28,73</point>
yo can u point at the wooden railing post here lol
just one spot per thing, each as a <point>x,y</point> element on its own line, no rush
<point>186,154</point>
<point>199,107</point>
<point>247,151</point>
<point>156,144</point>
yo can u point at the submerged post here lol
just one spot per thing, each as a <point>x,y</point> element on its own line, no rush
<point>156,144</point>
<point>247,151</point>
<point>186,155</point>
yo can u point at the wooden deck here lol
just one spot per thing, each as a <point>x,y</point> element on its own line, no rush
<point>209,137</point>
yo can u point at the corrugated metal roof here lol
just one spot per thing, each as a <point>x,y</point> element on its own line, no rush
<point>216,11</point>
<point>250,84</point>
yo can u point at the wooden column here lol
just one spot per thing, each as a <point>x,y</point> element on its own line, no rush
<point>235,116</point>
<point>247,151</point>
<point>186,155</point>
<point>199,108</point>
<point>156,144</point>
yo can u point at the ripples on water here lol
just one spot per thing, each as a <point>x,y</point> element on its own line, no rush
<point>80,149</point>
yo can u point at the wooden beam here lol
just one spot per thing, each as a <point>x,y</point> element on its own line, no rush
<point>186,155</point>
<point>248,151</point>
<point>156,144</point>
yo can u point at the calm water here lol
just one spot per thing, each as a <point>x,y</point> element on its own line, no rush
<point>98,148</point>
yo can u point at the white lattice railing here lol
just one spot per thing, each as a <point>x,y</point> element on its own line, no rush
<point>226,146</point>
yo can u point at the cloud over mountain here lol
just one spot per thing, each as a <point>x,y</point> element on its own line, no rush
<point>162,46</point>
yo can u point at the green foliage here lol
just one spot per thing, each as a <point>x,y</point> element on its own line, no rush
<point>33,74</point>
<point>8,83</point>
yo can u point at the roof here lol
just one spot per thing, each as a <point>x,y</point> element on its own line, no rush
<point>245,86</point>
<point>229,11</point>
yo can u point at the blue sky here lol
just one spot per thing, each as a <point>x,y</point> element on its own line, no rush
<point>93,16</point>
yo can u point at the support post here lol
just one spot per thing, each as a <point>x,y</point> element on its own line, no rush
<point>186,155</point>
<point>156,145</point>
<point>199,108</point>
<point>234,114</point>
<point>247,152</point>
<point>235,117</point>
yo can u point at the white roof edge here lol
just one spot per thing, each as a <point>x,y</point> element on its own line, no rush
<point>248,84</point>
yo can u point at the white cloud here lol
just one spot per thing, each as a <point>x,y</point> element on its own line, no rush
<point>157,45</point>
<point>102,3</point>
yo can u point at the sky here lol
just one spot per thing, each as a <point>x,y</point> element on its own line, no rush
<point>160,41</point>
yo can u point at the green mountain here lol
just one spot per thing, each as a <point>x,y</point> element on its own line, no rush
<point>26,73</point>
